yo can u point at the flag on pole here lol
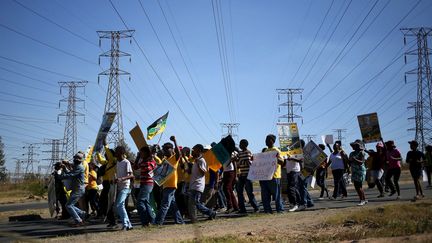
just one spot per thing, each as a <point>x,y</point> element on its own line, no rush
<point>157,127</point>
<point>220,154</point>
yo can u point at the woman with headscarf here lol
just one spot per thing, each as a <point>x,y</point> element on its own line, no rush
<point>377,167</point>
<point>358,169</point>
<point>394,158</point>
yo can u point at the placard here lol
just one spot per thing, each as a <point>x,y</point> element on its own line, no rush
<point>263,166</point>
<point>107,121</point>
<point>369,127</point>
<point>163,172</point>
<point>313,156</point>
<point>289,140</point>
<point>138,137</point>
<point>327,139</point>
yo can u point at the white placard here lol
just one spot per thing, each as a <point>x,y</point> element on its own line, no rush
<point>327,139</point>
<point>263,166</point>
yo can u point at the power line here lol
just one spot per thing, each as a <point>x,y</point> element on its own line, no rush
<point>173,68</point>
<point>158,77</point>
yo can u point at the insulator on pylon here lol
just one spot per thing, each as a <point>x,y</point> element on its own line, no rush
<point>301,109</point>
<point>405,79</point>
<point>301,97</point>
<point>99,60</point>
<point>98,79</point>
<point>130,59</point>
<point>278,97</point>
<point>100,43</point>
<point>404,40</point>
<point>405,59</point>
<point>129,78</point>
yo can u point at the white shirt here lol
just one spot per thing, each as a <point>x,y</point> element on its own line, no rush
<point>123,169</point>
<point>292,165</point>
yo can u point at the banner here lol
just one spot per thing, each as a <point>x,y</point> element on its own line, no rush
<point>289,140</point>
<point>313,156</point>
<point>163,172</point>
<point>157,127</point>
<point>107,121</point>
<point>263,166</point>
<point>327,139</point>
<point>369,127</point>
<point>138,137</point>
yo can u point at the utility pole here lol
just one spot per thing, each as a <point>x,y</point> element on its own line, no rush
<point>423,105</point>
<point>69,147</point>
<point>29,168</point>
<point>113,98</point>
<point>289,104</point>
<point>309,137</point>
<point>339,132</point>
<point>17,174</point>
<point>55,152</point>
<point>228,129</point>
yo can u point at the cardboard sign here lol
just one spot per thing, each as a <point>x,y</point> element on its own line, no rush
<point>289,140</point>
<point>313,156</point>
<point>369,127</point>
<point>263,166</point>
<point>327,139</point>
<point>107,121</point>
<point>163,172</point>
<point>138,137</point>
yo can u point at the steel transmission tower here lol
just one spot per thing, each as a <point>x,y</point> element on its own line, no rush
<point>423,105</point>
<point>29,168</point>
<point>290,104</point>
<point>55,152</point>
<point>113,100</point>
<point>339,132</point>
<point>228,129</point>
<point>69,147</point>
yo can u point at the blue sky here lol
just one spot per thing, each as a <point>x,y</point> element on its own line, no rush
<point>267,45</point>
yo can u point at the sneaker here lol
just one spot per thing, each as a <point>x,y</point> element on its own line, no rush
<point>127,228</point>
<point>380,195</point>
<point>293,209</point>
<point>256,210</point>
<point>77,224</point>
<point>134,211</point>
<point>398,198</point>
<point>332,198</point>
<point>392,193</point>
<point>302,208</point>
<point>221,210</point>
<point>320,198</point>
<point>228,211</point>
<point>362,203</point>
<point>212,216</point>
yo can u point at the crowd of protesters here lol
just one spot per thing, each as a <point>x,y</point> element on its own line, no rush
<point>194,187</point>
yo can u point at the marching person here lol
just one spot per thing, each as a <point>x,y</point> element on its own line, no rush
<point>394,159</point>
<point>78,189</point>
<point>415,160</point>
<point>168,203</point>
<point>123,180</point>
<point>337,164</point>
<point>358,169</point>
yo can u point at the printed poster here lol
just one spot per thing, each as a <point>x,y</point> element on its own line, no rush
<point>313,156</point>
<point>163,172</point>
<point>369,127</point>
<point>289,140</point>
<point>327,139</point>
<point>263,166</point>
<point>107,121</point>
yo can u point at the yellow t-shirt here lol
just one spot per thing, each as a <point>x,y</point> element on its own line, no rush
<point>172,180</point>
<point>110,164</point>
<point>92,180</point>
<point>278,173</point>
<point>186,174</point>
<point>86,172</point>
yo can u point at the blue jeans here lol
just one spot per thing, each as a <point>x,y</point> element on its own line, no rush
<point>76,213</point>
<point>244,184</point>
<point>195,201</point>
<point>120,206</point>
<point>268,189</point>
<point>144,207</point>
<point>169,204</point>
<point>305,198</point>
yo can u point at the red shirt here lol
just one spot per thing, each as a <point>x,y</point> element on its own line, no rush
<point>146,175</point>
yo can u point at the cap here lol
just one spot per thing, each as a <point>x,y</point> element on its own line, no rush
<point>413,142</point>
<point>357,142</point>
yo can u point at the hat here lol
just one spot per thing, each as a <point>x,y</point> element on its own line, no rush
<point>79,156</point>
<point>358,142</point>
<point>390,143</point>
<point>414,142</point>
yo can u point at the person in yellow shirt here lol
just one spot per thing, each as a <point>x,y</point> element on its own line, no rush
<point>82,202</point>
<point>168,203</point>
<point>92,196</point>
<point>108,173</point>
<point>272,187</point>
<point>183,180</point>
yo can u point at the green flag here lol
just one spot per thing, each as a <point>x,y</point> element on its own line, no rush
<point>157,127</point>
